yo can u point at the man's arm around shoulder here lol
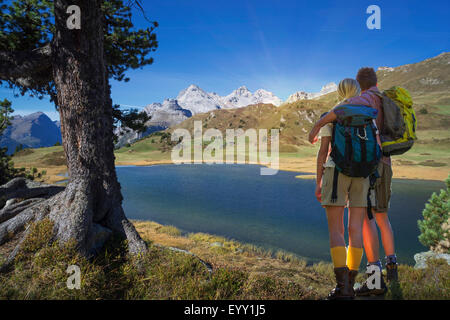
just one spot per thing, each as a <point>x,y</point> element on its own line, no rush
<point>328,118</point>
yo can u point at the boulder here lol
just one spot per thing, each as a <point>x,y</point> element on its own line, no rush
<point>422,257</point>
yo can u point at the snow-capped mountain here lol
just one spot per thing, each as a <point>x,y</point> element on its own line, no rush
<point>166,114</point>
<point>302,95</point>
<point>242,97</point>
<point>190,101</point>
<point>385,69</point>
<point>197,100</point>
<point>329,87</point>
<point>238,98</point>
<point>163,115</point>
<point>264,96</point>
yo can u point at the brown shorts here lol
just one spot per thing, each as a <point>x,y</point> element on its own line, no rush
<point>353,190</point>
<point>383,188</point>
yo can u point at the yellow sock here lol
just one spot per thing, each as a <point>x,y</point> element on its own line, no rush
<point>339,256</point>
<point>354,257</point>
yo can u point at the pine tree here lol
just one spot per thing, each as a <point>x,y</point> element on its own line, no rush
<point>435,215</point>
<point>6,166</point>
<point>40,55</point>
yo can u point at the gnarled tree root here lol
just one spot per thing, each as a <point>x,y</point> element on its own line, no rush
<point>72,209</point>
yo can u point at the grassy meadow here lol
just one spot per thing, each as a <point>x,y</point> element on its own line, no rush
<point>178,266</point>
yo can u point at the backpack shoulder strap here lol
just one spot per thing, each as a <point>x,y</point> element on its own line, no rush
<point>377,93</point>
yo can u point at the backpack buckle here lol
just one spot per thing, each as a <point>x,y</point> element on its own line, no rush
<point>365,134</point>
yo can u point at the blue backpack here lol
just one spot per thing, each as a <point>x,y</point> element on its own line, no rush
<point>354,147</point>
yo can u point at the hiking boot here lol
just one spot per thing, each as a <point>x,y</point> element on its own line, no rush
<point>352,274</point>
<point>342,290</point>
<point>364,290</point>
<point>391,272</point>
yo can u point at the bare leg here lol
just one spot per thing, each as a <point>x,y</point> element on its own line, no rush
<point>355,225</point>
<point>372,249</point>
<point>387,235</point>
<point>335,218</point>
<point>370,239</point>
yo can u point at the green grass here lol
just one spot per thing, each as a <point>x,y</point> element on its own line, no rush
<point>170,230</point>
<point>429,135</point>
<point>422,284</point>
<point>40,273</point>
<point>303,152</point>
<point>443,109</point>
<point>438,151</point>
<point>37,156</point>
<point>143,150</point>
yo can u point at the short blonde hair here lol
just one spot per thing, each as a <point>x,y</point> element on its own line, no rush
<point>348,88</point>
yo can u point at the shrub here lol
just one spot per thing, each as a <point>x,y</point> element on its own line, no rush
<point>431,283</point>
<point>435,214</point>
<point>423,111</point>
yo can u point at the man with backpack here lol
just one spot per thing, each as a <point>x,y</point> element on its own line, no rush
<point>372,97</point>
<point>367,79</point>
<point>397,123</point>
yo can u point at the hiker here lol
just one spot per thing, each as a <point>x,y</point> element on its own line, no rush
<point>367,80</point>
<point>335,190</point>
<point>370,96</point>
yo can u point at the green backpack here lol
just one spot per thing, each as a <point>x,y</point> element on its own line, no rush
<point>400,122</point>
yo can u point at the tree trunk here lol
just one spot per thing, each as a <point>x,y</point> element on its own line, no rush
<point>89,210</point>
<point>91,206</point>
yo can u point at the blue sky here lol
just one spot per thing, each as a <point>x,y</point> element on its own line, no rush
<point>281,46</point>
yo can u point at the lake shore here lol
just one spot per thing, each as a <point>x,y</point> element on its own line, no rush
<point>416,167</point>
<point>307,166</point>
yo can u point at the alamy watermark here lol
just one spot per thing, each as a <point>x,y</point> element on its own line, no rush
<point>74,20</point>
<point>374,20</point>
<point>237,146</point>
<point>74,280</point>
<point>374,277</point>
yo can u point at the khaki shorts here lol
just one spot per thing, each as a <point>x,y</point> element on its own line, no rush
<point>383,188</point>
<point>353,190</point>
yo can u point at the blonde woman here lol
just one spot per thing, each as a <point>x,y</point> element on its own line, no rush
<point>349,191</point>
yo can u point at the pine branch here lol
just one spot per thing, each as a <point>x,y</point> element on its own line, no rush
<point>30,69</point>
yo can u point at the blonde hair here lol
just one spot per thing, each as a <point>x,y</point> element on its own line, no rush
<point>348,88</point>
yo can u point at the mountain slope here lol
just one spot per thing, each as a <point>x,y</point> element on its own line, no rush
<point>294,120</point>
<point>302,95</point>
<point>166,114</point>
<point>428,80</point>
<point>162,116</point>
<point>32,131</point>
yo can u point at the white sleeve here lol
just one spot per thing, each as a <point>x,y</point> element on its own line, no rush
<point>326,130</point>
